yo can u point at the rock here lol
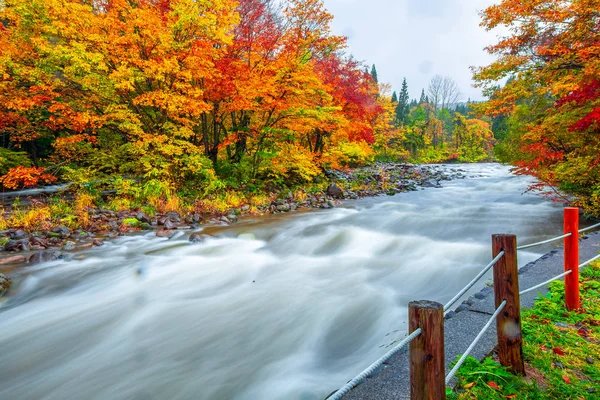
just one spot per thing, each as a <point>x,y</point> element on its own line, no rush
<point>166,233</point>
<point>55,241</point>
<point>225,219</point>
<point>12,245</point>
<point>174,216</point>
<point>245,208</point>
<point>44,256</point>
<point>18,234</point>
<point>162,220</point>
<point>198,237</point>
<point>25,246</point>
<point>232,217</point>
<point>589,360</point>
<point>142,217</point>
<point>331,203</point>
<point>69,246</point>
<point>196,218</point>
<point>334,191</point>
<point>98,242</point>
<point>5,282</point>
<point>38,241</point>
<point>559,365</point>
<point>283,207</point>
<point>13,259</point>
<point>562,325</point>
<point>169,225</point>
<point>63,231</point>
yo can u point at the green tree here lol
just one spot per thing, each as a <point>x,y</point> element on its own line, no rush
<point>403,107</point>
<point>374,74</point>
<point>394,97</point>
<point>423,98</point>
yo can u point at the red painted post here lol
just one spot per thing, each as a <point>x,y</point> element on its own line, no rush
<point>572,258</point>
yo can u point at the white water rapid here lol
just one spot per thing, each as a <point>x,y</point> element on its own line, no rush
<point>285,307</point>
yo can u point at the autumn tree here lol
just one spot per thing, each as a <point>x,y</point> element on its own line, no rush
<point>551,58</point>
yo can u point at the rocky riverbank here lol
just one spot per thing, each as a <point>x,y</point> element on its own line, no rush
<point>21,246</point>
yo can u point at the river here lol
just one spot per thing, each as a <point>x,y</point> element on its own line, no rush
<point>283,307</point>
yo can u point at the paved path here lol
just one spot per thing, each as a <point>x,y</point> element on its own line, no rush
<point>461,327</point>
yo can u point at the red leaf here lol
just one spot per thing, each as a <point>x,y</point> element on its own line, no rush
<point>558,351</point>
<point>512,396</point>
<point>566,379</point>
<point>582,332</point>
<point>493,385</point>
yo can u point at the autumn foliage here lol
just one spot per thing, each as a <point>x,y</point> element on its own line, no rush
<point>551,99</point>
<point>193,94</point>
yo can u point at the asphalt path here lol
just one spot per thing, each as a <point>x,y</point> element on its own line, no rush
<point>391,382</point>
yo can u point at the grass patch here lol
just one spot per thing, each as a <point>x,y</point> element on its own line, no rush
<point>561,350</point>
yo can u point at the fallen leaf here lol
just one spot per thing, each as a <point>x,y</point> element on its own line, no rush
<point>582,332</point>
<point>493,385</point>
<point>558,351</point>
<point>469,385</point>
<point>534,317</point>
<point>566,379</point>
<point>511,396</point>
<point>543,348</point>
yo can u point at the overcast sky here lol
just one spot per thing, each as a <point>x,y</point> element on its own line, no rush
<point>416,39</point>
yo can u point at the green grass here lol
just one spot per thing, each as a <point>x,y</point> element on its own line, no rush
<point>561,350</point>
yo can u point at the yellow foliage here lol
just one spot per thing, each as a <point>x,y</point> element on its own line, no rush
<point>347,154</point>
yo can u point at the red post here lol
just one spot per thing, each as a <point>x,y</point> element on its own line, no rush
<point>572,258</point>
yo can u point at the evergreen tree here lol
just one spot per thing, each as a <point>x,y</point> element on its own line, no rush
<point>413,103</point>
<point>423,98</point>
<point>427,99</point>
<point>403,106</point>
<point>394,97</point>
<point>374,73</point>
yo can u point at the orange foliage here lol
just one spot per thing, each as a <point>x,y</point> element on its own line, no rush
<point>20,177</point>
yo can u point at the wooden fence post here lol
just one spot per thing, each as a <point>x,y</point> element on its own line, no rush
<point>427,366</point>
<point>506,287</point>
<point>572,258</point>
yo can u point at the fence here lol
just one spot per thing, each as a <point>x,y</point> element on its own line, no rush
<point>426,318</point>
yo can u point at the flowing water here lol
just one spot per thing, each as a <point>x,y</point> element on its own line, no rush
<point>284,307</point>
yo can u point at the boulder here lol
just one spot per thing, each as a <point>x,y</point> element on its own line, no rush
<point>334,191</point>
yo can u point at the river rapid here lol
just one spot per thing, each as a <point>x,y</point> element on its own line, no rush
<point>284,307</point>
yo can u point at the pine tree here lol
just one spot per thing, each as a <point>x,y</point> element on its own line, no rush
<point>394,97</point>
<point>423,98</point>
<point>402,108</point>
<point>374,73</point>
<point>413,103</point>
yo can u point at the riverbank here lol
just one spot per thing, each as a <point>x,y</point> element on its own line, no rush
<point>463,324</point>
<point>52,226</point>
<point>560,350</point>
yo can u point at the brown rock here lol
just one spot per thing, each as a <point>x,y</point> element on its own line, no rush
<point>166,233</point>
<point>13,259</point>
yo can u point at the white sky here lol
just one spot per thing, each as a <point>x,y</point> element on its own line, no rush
<point>416,39</point>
